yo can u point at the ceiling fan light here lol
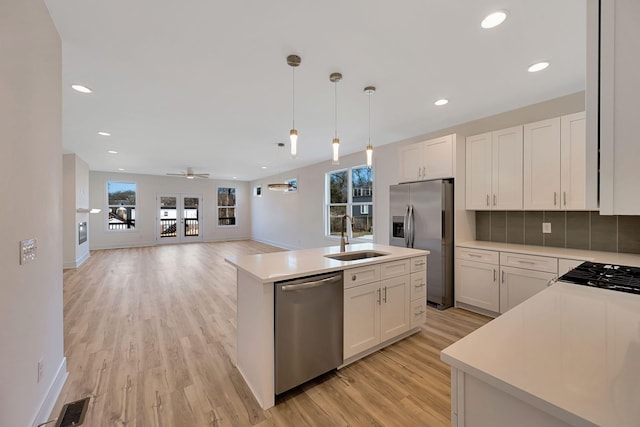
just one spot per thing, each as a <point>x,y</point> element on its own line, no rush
<point>190,176</point>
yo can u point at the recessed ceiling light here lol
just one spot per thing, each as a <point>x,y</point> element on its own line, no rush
<point>263,167</point>
<point>112,152</point>
<point>538,66</point>
<point>441,102</point>
<point>81,89</point>
<point>120,169</point>
<point>235,177</point>
<point>494,19</point>
<point>101,133</point>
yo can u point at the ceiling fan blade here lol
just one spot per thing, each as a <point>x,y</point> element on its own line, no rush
<point>202,175</point>
<point>176,174</point>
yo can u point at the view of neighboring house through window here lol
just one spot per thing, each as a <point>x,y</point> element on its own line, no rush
<point>121,201</point>
<point>226,206</point>
<point>350,191</point>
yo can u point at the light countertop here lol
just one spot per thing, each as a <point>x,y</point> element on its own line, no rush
<point>595,256</point>
<point>277,266</point>
<point>569,350</point>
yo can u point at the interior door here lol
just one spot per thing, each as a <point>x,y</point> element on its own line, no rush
<point>178,219</point>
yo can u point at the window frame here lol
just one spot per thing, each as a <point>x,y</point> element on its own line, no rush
<point>133,207</point>
<point>235,207</point>
<point>349,205</point>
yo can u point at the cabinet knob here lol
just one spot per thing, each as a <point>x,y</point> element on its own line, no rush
<point>353,278</point>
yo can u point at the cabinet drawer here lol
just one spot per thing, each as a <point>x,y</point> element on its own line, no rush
<point>418,286</point>
<point>418,313</point>
<point>531,262</point>
<point>361,275</point>
<point>418,264</point>
<point>395,268</point>
<point>478,255</point>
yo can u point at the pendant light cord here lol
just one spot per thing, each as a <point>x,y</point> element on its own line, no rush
<point>369,119</point>
<point>336,105</point>
<point>293,70</point>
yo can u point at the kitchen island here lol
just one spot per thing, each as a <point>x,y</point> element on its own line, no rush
<point>256,276</point>
<point>568,356</point>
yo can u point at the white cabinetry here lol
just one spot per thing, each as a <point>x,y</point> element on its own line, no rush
<point>494,170</point>
<point>432,159</point>
<point>619,93</point>
<point>418,294</point>
<point>377,302</point>
<point>493,282</point>
<point>476,278</point>
<point>558,173</point>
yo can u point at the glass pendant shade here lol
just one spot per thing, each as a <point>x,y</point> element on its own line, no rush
<point>293,136</point>
<point>369,155</point>
<point>336,151</point>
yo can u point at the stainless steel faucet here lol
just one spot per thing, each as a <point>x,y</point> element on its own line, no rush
<point>344,240</point>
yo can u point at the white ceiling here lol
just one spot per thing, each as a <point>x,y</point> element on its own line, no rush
<point>205,84</point>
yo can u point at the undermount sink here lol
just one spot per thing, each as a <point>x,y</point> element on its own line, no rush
<point>353,256</point>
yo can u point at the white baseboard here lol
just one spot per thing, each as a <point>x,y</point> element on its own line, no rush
<point>51,397</point>
<point>77,263</point>
<point>276,244</point>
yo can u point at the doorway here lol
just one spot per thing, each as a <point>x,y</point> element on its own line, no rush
<point>178,218</point>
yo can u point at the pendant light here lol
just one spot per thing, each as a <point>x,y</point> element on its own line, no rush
<point>369,90</point>
<point>294,61</point>
<point>335,78</point>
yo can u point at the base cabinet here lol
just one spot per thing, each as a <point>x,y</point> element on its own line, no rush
<point>380,310</point>
<point>519,284</point>
<point>477,284</point>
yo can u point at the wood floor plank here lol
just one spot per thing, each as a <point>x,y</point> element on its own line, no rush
<point>150,337</point>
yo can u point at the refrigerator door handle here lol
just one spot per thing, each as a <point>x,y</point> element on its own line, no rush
<point>406,227</point>
<point>412,231</point>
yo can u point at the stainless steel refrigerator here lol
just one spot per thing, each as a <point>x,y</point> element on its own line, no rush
<point>421,215</point>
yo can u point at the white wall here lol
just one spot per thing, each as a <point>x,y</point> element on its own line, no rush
<point>148,186</point>
<point>296,220</point>
<point>31,188</point>
<point>75,177</point>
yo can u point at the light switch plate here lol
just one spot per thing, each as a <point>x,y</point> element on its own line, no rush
<point>28,250</point>
<point>546,227</point>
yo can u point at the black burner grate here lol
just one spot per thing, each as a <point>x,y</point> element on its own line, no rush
<point>607,276</point>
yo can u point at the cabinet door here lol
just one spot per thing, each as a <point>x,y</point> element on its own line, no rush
<point>437,158</point>
<point>394,313</point>
<point>506,181</point>
<point>477,284</point>
<point>518,285</point>
<point>573,161</point>
<point>361,318</point>
<point>542,165</point>
<point>411,163</point>
<point>478,170</point>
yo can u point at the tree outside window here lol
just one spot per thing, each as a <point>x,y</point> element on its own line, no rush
<point>121,205</point>
<point>226,206</point>
<point>350,191</point>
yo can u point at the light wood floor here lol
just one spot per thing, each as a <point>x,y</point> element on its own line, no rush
<point>150,336</point>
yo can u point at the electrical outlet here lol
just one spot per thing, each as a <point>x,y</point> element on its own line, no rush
<point>546,227</point>
<point>40,370</point>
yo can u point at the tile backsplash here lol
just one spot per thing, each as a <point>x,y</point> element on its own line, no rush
<point>576,230</point>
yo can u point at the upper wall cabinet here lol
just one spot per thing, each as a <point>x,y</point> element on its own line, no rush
<point>619,93</point>
<point>494,170</point>
<point>432,159</point>
<point>557,173</point>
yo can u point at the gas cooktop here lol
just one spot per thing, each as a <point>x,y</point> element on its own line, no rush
<point>605,276</point>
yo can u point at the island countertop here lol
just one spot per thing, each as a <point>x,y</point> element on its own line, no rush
<point>285,265</point>
<point>570,350</point>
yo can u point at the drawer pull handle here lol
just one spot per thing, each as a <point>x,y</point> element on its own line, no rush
<point>420,285</point>
<point>353,278</point>
<point>475,255</point>
<point>525,262</point>
<point>419,313</point>
<point>418,264</point>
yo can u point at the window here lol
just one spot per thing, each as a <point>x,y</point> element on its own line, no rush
<point>226,206</point>
<point>350,191</point>
<point>121,205</point>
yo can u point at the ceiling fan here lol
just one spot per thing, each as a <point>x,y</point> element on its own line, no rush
<point>190,175</point>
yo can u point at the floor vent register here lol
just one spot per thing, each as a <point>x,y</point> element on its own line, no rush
<point>71,415</point>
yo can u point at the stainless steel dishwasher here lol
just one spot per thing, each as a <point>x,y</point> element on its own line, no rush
<point>308,328</point>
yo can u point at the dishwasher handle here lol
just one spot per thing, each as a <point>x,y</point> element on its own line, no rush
<point>309,285</point>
